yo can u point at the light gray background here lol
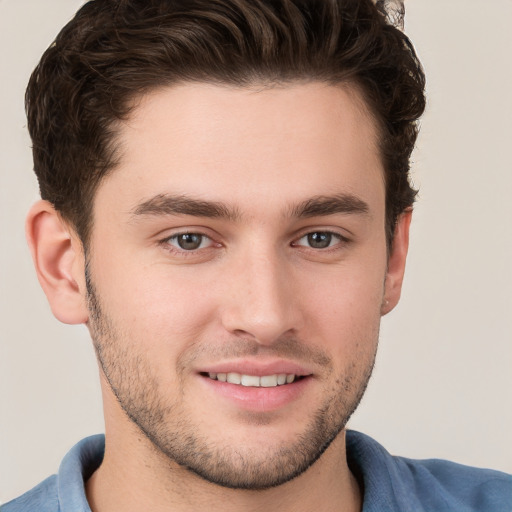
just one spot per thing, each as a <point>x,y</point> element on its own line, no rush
<point>443,382</point>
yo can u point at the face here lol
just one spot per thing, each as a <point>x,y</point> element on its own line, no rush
<point>236,275</point>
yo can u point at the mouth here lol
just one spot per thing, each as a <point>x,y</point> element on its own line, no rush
<point>255,381</point>
<point>260,387</point>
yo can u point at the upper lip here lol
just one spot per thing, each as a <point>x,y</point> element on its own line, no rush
<point>257,368</point>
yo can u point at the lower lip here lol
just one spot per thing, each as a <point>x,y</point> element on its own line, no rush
<point>259,399</point>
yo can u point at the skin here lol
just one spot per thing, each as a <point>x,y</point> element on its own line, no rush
<point>257,291</point>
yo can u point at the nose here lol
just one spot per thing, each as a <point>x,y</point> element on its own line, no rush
<point>261,299</point>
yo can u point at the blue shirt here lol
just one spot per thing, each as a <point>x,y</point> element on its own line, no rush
<point>390,484</point>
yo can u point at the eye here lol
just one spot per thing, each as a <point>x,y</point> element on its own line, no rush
<point>319,240</point>
<point>189,241</point>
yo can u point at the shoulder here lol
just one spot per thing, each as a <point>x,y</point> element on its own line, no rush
<point>64,492</point>
<point>457,487</point>
<point>425,485</point>
<point>43,498</point>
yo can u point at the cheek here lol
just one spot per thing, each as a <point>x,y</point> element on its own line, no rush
<point>153,305</point>
<point>166,308</point>
<point>348,295</point>
<point>343,312</point>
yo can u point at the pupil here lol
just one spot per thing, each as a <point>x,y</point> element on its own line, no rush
<point>189,241</point>
<point>319,240</point>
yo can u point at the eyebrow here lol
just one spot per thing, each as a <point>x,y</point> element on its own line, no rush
<point>331,205</point>
<point>166,204</point>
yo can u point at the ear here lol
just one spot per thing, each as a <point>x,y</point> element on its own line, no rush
<point>59,262</point>
<point>396,263</point>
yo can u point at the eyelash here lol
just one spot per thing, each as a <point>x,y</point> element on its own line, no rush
<point>166,242</point>
<point>341,240</point>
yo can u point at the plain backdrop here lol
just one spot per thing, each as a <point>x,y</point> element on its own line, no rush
<point>443,381</point>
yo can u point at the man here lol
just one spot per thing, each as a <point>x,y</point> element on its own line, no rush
<point>226,206</point>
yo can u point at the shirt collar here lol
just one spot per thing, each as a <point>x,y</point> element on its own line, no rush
<point>75,469</point>
<point>374,468</point>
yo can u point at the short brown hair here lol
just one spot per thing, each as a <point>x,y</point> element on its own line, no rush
<point>115,50</point>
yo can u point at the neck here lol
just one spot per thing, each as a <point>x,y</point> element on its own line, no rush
<point>135,477</point>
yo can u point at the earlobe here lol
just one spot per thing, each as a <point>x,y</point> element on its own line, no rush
<point>396,263</point>
<point>59,262</point>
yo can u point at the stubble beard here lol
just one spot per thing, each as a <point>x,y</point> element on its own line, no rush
<point>172,432</point>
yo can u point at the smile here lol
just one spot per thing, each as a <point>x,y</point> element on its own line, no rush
<point>265,381</point>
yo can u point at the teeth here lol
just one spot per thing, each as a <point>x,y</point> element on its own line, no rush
<point>234,378</point>
<point>267,381</point>
<point>250,380</point>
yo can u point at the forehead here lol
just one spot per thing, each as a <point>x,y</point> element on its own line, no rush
<point>250,146</point>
